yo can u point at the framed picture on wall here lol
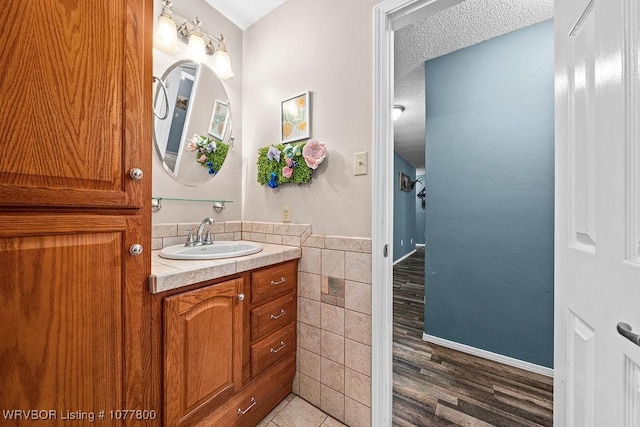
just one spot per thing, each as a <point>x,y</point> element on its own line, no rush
<point>219,120</point>
<point>295,118</point>
<point>181,102</point>
<point>405,182</point>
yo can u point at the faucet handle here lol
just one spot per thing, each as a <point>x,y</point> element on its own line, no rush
<point>190,241</point>
<point>207,237</point>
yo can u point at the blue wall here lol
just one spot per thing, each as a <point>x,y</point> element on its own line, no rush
<point>489,175</point>
<point>404,210</point>
<point>420,213</point>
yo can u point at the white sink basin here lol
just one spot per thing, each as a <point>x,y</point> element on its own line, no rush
<point>221,249</point>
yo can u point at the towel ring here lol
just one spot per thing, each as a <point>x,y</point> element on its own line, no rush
<point>166,100</point>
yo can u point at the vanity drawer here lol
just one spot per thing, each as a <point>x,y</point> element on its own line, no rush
<point>273,315</point>
<point>272,349</point>
<point>253,403</point>
<point>274,281</point>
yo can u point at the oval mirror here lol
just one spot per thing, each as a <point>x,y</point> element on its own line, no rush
<point>193,139</point>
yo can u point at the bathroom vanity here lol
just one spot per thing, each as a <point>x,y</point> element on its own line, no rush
<point>226,342</point>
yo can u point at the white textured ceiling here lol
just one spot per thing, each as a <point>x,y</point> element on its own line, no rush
<point>460,26</point>
<point>244,13</point>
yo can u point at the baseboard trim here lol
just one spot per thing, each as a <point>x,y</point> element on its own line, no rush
<point>517,363</point>
<point>420,245</point>
<point>404,257</point>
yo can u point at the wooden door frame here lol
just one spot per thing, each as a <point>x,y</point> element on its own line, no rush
<point>390,15</point>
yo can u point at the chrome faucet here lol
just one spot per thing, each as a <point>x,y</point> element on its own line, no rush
<point>207,238</point>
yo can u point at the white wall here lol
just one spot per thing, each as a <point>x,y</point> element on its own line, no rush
<point>227,184</point>
<point>325,47</point>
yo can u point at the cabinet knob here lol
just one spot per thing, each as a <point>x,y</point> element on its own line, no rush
<point>136,249</point>
<point>240,297</point>
<point>136,174</point>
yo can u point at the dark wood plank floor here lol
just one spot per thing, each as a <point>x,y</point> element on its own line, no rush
<point>436,386</point>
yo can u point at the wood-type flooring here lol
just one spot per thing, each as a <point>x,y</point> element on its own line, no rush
<point>437,386</point>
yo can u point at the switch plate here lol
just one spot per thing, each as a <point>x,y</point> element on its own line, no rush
<point>360,163</point>
<point>285,210</point>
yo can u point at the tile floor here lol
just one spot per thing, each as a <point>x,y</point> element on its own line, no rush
<point>296,412</point>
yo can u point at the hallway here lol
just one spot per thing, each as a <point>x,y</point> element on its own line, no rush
<point>437,386</point>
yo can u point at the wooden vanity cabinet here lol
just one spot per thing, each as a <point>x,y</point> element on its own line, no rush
<point>230,358</point>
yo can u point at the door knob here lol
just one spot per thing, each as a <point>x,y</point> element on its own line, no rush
<point>136,174</point>
<point>136,249</point>
<point>240,297</point>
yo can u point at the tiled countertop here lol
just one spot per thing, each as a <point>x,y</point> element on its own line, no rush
<point>173,274</point>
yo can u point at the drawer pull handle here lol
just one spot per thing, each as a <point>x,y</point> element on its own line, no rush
<point>282,280</point>
<point>282,313</point>
<point>282,345</point>
<point>253,403</point>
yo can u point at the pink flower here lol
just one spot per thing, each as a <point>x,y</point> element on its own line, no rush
<point>193,142</point>
<point>287,172</point>
<point>289,162</point>
<point>314,153</point>
<point>202,159</point>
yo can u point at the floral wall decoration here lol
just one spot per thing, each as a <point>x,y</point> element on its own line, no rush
<point>210,152</point>
<point>289,163</point>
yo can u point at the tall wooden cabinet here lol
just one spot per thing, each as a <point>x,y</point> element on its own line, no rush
<point>74,121</point>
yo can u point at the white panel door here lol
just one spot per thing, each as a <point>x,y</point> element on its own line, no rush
<point>597,240</point>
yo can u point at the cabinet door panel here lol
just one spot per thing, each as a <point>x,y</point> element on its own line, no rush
<point>74,91</point>
<point>62,323</point>
<point>73,313</point>
<point>203,344</point>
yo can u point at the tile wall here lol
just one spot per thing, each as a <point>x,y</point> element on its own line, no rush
<point>334,311</point>
<point>163,235</point>
<point>334,321</point>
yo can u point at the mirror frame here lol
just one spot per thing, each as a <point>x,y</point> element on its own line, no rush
<point>158,93</point>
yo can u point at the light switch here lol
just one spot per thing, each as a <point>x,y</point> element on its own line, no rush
<point>360,163</point>
<point>286,212</point>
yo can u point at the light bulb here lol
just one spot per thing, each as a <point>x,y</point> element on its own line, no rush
<point>166,37</point>
<point>221,64</point>
<point>196,46</point>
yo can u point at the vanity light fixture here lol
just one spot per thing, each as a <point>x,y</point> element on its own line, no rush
<point>196,45</point>
<point>221,60</point>
<point>199,44</point>
<point>397,111</point>
<point>166,37</point>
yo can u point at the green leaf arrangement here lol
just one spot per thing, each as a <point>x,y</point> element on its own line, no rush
<point>218,158</point>
<point>266,165</point>
<point>213,150</point>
